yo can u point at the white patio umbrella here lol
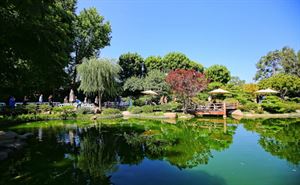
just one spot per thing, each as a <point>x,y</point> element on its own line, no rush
<point>219,91</point>
<point>266,91</point>
<point>71,96</point>
<point>149,92</point>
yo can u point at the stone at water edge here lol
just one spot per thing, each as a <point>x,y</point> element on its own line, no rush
<point>126,113</point>
<point>170,115</point>
<point>237,113</point>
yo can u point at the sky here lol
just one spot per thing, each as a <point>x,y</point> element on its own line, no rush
<point>227,32</point>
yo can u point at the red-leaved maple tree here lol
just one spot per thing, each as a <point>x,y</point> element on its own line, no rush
<point>186,84</point>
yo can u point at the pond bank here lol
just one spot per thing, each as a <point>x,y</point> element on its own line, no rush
<point>241,115</point>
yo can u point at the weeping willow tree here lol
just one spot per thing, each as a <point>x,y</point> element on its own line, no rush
<point>99,76</point>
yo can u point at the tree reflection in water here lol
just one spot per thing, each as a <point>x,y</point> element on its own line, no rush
<point>91,154</point>
<point>279,137</point>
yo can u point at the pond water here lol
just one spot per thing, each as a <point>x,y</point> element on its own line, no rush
<point>134,152</point>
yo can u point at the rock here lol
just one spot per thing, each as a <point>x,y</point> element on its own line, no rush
<point>170,115</point>
<point>8,135</point>
<point>25,136</point>
<point>298,111</point>
<point>237,113</point>
<point>94,117</point>
<point>126,113</point>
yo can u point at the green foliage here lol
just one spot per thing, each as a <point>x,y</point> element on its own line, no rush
<point>231,100</point>
<point>250,107</point>
<point>177,60</point>
<point>171,106</point>
<point>131,64</point>
<point>286,84</point>
<point>278,61</point>
<point>214,85</point>
<point>65,111</point>
<point>35,45</point>
<point>99,76</point>
<point>147,108</point>
<point>218,73</point>
<point>133,84</point>
<point>135,110</point>
<point>44,108</point>
<point>92,33</point>
<point>109,111</point>
<point>84,110</point>
<point>154,63</point>
<point>31,108</point>
<point>143,100</point>
<point>236,81</point>
<point>274,104</point>
<point>155,80</point>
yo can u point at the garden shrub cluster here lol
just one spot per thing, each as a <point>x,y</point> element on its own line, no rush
<point>65,111</point>
<point>135,110</point>
<point>109,111</point>
<point>274,104</point>
<point>85,110</point>
<point>147,109</point>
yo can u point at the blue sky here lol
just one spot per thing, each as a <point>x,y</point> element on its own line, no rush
<point>229,32</point>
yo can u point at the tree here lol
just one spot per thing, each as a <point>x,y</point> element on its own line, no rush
<point>286,84</point>
<point>35,44</point>
<point>154,62</point>
<point>186,84</point>
<point>218,73</point>
<point>133,84</point>
<point>176,60</point>
<point>155,80</point>
<point>284,60</point>
<point>92,33</point>
<point>236,81</point>
<point>131,64</point>
<point>98,76</point>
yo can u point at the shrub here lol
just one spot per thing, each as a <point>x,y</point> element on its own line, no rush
<point>231,100</point>
<point>84,110</point>
<point>44,108</point>
<point>171,106</point>
<point>135,110</point>
<point>65,111</point>
<point>274,104</point>
<point>111,111</point>
<point>147,108</point>
<point>31,108</point>
<point>250,106</point>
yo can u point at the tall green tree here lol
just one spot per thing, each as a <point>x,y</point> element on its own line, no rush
<point>35,42</point>
<point>154,62</point>
<point>218,73</point>
<point>99,76</point>
<point>284,60</point>
<point>177,60</point>
<point>131,64</point>
<point>92,33</point>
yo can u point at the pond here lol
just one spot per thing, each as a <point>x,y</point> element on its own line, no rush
<point>132,152</point>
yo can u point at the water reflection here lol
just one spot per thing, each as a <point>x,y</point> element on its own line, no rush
<point>89,155</point>
<point>281,138</point>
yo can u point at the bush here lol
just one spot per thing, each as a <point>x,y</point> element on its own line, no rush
<point>44,108</point>
<point>143,100</point>
<point>135,110</point>
<point>147,109</point>
<point>31,108</point>
<point>65,111</point>
<point>274,104</point>
<point>251,106</point>
<point>171,106</point>
<point>231,100</point>
<point>84,110</point>
<point>111,111</point>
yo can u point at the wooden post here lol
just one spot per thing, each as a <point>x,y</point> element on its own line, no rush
<point>224,111</point>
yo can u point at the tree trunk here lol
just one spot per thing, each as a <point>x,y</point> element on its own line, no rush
<point>100,97</point>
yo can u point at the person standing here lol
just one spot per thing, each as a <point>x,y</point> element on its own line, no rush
<point>25,100</point>
<point>78,102</point>
<point>41,98</point>
<point>12,102</point>
<point>50,100</point>
<point>66,99</point>
<point>96,100</point>
<point>85,100</point>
